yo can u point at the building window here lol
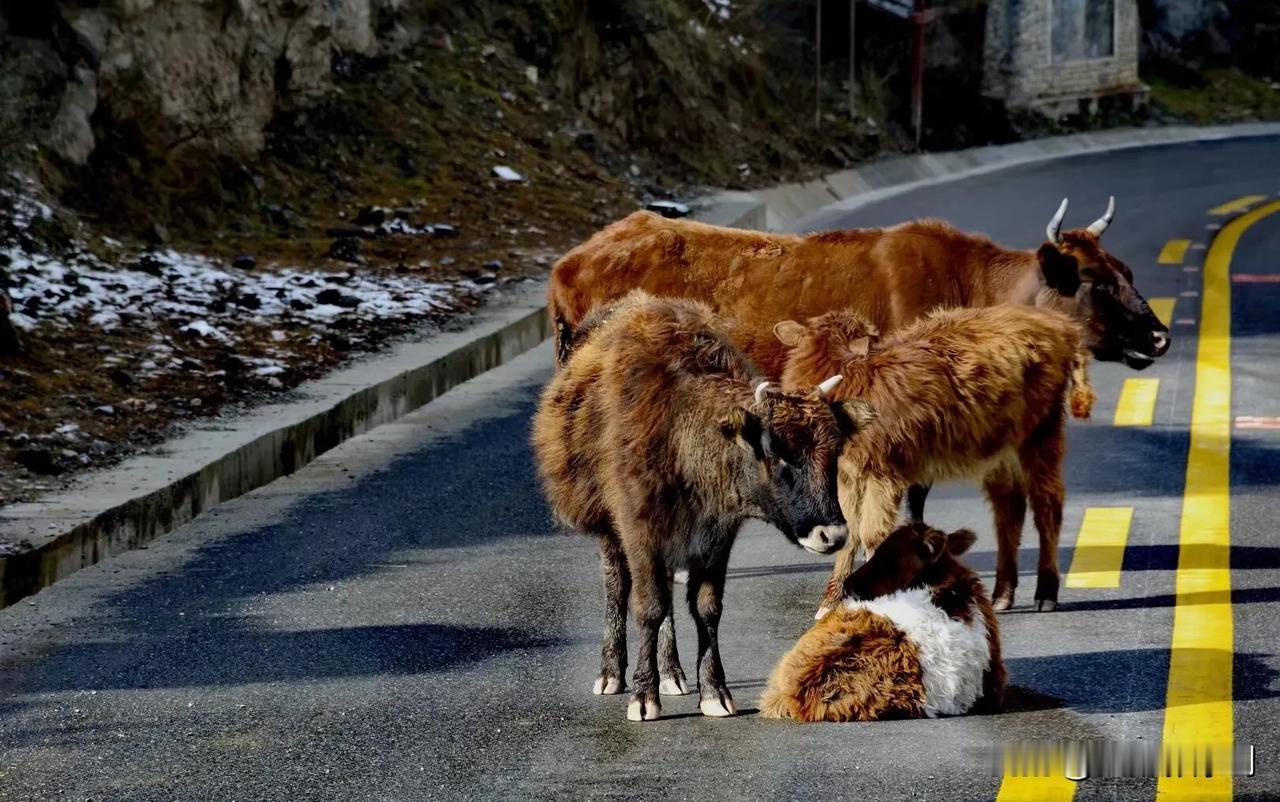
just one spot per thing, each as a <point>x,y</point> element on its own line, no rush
<point>1083,29</point>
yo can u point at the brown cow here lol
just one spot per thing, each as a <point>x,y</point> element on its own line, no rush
<point>890,276</point>
<point>660,438</point>
<point>915,638</point>
<point>960,392</point>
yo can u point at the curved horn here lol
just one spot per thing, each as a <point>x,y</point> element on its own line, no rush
<point>1054,229</point>
<point>760,391</point>
<point>1100,225</point>
<point>830,384</point>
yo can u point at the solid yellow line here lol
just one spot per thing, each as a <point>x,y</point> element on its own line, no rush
<point>1163,308</point>
<point>1198,708</point>
<point>1137,404</point>
<point>1173,251</point>
<point>1100,548</point>
<point>1237,205</point>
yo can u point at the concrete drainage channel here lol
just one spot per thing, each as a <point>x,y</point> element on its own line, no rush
<point>113,511</point>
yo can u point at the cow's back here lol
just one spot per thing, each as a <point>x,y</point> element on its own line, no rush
<point>890,276</point>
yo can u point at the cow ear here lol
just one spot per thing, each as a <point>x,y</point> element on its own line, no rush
<point>853,416</point>
<point>1061,271</point>
<point>933,544</point>
<point>747,430</point>
<point>859,347</point>
<point>789,332</point>
<point>960,541</point>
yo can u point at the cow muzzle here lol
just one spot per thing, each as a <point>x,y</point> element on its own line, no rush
<point>825,539</point>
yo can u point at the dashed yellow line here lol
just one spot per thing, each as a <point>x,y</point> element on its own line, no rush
<point>1100,548</point>
<point>1163,308</point>
<point>1043,782</point>
<point>1173,251</point>
<point>1137,404</point>
<point>1198,707</point>
<point>1237,205</point>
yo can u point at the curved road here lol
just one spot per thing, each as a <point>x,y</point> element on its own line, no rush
<point>399,620</point>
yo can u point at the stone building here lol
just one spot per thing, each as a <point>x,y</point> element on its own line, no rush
<point>1062,56</point>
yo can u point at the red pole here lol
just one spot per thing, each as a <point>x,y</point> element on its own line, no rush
<point>917,71</point>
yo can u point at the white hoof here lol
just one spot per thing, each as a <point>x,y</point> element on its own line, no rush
<point>718,708</point>
<point>607,687</point>
<point>638,712</point>
<point>681,577</point>
<point>673,686</point>
<point>823,610</point>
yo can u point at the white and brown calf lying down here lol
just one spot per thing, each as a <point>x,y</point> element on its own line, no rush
<point>659,437</point>
<point>959,393</point>
<point>916,637</point>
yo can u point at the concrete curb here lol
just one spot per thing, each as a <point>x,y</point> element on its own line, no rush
<point>122,508</point>
<point>795,206</point>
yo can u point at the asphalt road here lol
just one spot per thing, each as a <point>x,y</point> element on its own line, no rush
<point>400,619</point>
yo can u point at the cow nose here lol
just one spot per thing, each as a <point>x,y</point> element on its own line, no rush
<point>825,539</point>
<point>1160,342</point>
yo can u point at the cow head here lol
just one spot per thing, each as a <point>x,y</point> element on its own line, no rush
<point>1097,288</point>
<point>913,556</point>
<point>794,441</point>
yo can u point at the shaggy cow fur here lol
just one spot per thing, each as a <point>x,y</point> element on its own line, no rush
<point>918,638</point>
<point>658,438</point>
<point>960,393</point>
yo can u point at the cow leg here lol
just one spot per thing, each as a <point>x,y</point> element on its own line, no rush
<point>617,588</point>
<point>706,594</point>
<point>877,511</point>
<point>1042,462</point>
<point>671,675</point>
<point>650,602</point>
<point>1007,494</point>
<point>916,494</point>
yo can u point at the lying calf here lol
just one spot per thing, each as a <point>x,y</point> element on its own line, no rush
<point>659,438</point>
<point>960,392</point>
<point>915,638</point>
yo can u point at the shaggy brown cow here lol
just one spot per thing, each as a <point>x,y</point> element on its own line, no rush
<point>660,438</point>
<point>960,392</point>
<point>891,276</point>
<point>915,638</point>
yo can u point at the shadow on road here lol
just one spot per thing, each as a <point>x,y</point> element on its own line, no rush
<point>1119,681</point>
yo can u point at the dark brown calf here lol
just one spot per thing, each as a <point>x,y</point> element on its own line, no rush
<point>915,637</point>
<point>660,438</point>
<point>959,393</point>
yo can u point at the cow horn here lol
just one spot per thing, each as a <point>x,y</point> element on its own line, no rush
<point>760,391</point>
<point>830,384</point>
<point>1054,229</point>
<point>1100,225</point>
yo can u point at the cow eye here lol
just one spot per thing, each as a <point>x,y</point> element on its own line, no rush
<point>785,473</point>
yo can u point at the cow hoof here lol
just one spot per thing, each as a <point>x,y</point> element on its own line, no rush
<point>673,686</point>
<point>721,706</point>
<point>1002,603</point>
<point>608,686</point>
<point>640,710</point>
<point>681,577</point>
<point>1046,605</point>
<point>822,611</point>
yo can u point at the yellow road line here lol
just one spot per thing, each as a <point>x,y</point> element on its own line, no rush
<point>1100,548</point>
<point>1237,205</point>
<point>1137,404</point>
<point>1173,251</point>
<point>1163,307</point>
<point>1198,708</point>
<point>1051,784</point>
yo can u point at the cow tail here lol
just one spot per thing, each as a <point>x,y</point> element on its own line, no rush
<point>564,337</point>
<point>1081,394</point>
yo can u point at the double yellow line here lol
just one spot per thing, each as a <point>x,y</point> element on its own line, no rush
<point>1198,707</point>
